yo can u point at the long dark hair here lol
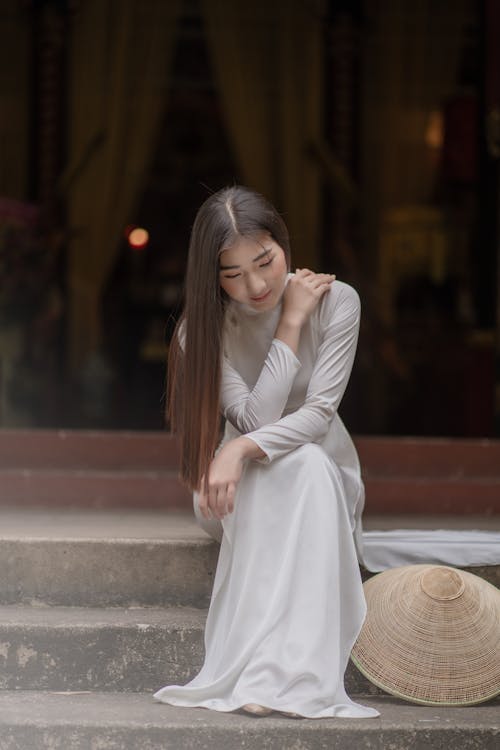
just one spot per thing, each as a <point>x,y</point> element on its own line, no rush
<point>194,362</point>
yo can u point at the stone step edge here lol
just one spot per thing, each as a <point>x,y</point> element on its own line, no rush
<point>44,616</point>
<point>131,650</point>
<point>122,720</point>
<point>125,473</point>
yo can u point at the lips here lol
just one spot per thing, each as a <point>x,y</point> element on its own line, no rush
<point>262,298</point>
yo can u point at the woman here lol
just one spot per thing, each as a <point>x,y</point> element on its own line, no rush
<point>272,352</point>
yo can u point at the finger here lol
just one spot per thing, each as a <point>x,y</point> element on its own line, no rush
<point>212,499</point>
<point>203,506</point>
<point>221,503</point>
<point>323,288</point>
<point>322,279</point>
<point>303,272</point>
<point>324,276</point>
<point>231,492</point>
<point>218,502</point>
<point>202,498</point>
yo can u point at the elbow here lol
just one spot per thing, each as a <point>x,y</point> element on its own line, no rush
<point>248,421</point>
<point>322,413</point>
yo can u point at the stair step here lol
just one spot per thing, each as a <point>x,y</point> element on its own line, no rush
<point>132,650</point>
<point>124,721</point>
<point>152,489</point>
<point>88,449</point>
<point>438,495</point>
<point>430,457</point>
<point>50,468</point>
<point>131,558</point>
<point>104,559</point>
<point>111,449</point>
<point>91,488</point>
<point>73,648</point>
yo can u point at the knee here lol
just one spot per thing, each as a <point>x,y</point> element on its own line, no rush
<point>312,453</point>
<point>315,460</point>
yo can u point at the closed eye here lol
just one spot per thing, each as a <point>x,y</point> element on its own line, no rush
<point>261,265</point>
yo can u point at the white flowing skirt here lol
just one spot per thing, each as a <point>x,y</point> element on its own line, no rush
<point>287,603</point>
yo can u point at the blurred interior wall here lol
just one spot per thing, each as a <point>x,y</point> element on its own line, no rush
<point>411,57</point>
<point>410,60</point>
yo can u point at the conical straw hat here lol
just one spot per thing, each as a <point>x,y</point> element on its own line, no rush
<point>431,635</point>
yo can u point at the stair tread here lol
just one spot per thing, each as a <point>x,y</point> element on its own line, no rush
<point>43,708</point>
<point>85,471</point>
<point>453,474</point>
<point>176,526</point>
<point>86,618</point>
<point>90,524</point>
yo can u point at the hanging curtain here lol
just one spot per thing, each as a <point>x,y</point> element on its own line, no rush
<point>241,39</point>
<point>267,59</point>
<point>119,72</point>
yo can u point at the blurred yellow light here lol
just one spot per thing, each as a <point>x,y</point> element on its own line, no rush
<point>434,134</point>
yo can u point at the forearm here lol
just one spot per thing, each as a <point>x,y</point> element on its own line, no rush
<point>302,295</point>
<point>311,421</point>
<point>216,495</point>
<point>248,449</point>
<point>247,410</point>
<point>288,331</point>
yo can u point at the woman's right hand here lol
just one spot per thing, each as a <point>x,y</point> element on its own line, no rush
<point>302,294</point>
<point>216,496</point>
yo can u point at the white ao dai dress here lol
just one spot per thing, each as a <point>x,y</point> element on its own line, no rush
<point>287,602</point>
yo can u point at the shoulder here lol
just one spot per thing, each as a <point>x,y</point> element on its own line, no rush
<point>340,302</point>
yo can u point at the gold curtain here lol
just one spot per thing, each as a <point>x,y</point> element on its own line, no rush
<point>267,59</point>
<point>119,71</point>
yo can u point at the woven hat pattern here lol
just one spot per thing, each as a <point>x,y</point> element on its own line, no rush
<point>431,635</point>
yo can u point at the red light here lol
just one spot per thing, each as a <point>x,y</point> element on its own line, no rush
<point>137,237</point>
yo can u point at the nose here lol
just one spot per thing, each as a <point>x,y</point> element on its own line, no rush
<point>256,285</point>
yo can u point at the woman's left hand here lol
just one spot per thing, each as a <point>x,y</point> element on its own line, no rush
<point>217,500</point>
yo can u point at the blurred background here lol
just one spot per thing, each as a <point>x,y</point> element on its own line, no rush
<point>373,126</point>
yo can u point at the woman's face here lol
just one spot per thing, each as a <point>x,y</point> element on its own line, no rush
<point>253,271</point>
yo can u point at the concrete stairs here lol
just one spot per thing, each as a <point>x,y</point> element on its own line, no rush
<point>100,607</point>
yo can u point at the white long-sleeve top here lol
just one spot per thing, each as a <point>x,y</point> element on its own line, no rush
<point>281,400</point>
